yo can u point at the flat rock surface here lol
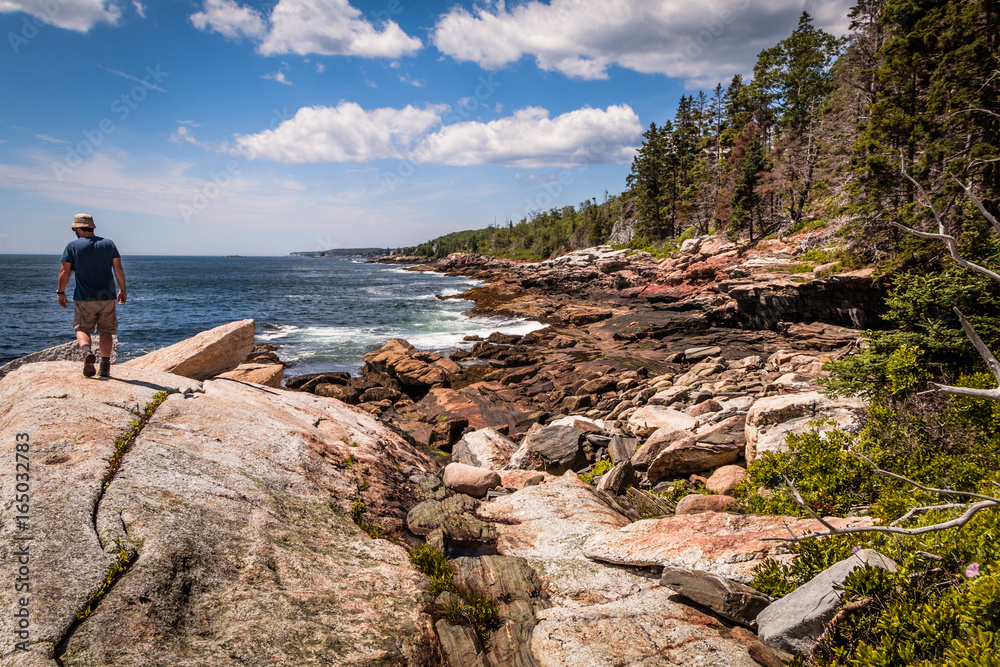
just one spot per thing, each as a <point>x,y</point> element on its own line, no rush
<point>235,504</point>
<point>548,524</point>
<point>645,629</point>
<point>729,545</point>
<point>65,352</point>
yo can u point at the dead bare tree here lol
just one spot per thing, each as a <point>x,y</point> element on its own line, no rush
<point>977,502</point>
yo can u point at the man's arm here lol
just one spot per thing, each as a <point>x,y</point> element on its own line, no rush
<point>116,264</point>
<point>64,272</point>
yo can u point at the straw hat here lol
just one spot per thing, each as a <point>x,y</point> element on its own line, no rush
<point>83,221</point>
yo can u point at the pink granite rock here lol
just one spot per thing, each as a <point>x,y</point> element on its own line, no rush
<point>470,480</point>
<point>730,545</point>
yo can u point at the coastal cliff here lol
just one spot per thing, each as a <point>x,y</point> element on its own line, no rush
<point>181,513</point>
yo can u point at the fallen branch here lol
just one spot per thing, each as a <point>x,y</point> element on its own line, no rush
<point>971,509</point>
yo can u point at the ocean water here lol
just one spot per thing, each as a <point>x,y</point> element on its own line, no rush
<point>324,313</point>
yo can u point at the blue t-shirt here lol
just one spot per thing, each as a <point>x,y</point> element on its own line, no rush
<point>91,259</point>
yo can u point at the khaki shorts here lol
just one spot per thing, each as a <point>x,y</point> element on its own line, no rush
<point>88,314</point>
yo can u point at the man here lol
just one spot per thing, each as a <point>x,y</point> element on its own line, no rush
<point>94,259</point>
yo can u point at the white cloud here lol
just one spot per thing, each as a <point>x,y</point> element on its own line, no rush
<point>325,27</point>
<point>144,81</point>
<point>50,139</point>
<point>229,19</point>
<point>278,76</point>
<point>183,135</point>
<point>139,9</point>
<point>699,41</point>
<point>79,15</point>
<point>529,138</point>
<point>345,133</point>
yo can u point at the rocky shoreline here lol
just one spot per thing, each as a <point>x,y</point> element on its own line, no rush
<point>576,482</point>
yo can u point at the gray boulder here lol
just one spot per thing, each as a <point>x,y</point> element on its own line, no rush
<point>558,447</point>
<point>65,352</point>
<point>622,448</point>
<point>618,478</point>
<point>727,598</point>
<point>795,622</point>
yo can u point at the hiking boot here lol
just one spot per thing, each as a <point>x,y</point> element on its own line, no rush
<point>88,365</point>
<point>105,368</point>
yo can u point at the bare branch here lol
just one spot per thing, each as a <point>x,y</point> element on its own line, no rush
<point>988,394</point>
<point>929,489</point>
<point>986,111</point>
<point>923,510</point>
<point>952,246</point>
<point>801,503</point>
<point>958,522</point>
<point>985,502</point>
<point>975,200</point>
<point>923,193</point>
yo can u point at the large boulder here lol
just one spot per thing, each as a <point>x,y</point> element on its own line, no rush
<point>771,419</point>
<point>268,375</point>
<point>727,598</point>
<point>554,449</point>
<point>232,513</point>
<point>696,503</point>
<point>659,440</point>
<point>795,622</point>
<point>470,480</point>
<point>651,417</point>
<point>725,480</point>
<point>65,352</point>
<point>485,448</point>
<point>730,545</point>
<point>713,446</point>
<point>411,367</point>
<point>203,356</point>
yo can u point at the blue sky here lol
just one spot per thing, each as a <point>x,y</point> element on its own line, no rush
<point>206,127</point>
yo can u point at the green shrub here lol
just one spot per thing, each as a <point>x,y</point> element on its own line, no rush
<point>829,478</point>
<point>433,562</point>
<point>477,611</point>
<point>597,470</point>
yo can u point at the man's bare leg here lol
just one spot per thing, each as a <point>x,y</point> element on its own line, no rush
<point>107,342</point>
<point>83,338</point>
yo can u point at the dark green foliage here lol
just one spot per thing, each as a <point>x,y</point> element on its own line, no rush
<point>433,562</point>
<point>124,442</point>
<point>599,469</point>
<point>830,479</point>
<point>477,611</point>
<point>542,235</point>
